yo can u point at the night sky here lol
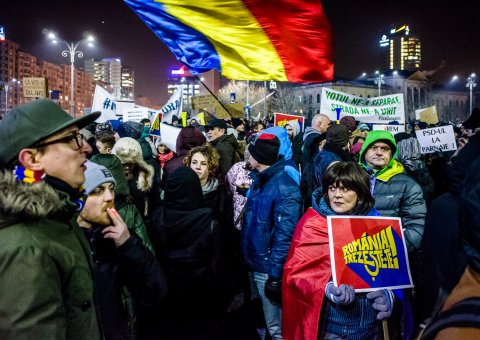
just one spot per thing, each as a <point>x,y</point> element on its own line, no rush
<point>450,34</point>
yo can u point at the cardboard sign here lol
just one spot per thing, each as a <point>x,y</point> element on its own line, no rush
<point>135,114</point>
<point>280,119</point>
<point>428,115</point>
<point>380,110</point>
<point>368,252</point>
<point>440,138</point>
<point>34,87</point>
<point>391,128</point>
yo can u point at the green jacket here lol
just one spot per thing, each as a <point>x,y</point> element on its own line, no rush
<point>46,287</point>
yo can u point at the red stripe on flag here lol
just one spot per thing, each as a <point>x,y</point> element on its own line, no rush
<point>301,34</point>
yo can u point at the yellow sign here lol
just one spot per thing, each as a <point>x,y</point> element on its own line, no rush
<point>428,115</point>
<point>204,102</point>
<point>35,87</point>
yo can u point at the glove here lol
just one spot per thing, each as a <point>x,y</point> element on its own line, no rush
<point>343,295</point>
<point>273,290</point>
<point>383,300</point>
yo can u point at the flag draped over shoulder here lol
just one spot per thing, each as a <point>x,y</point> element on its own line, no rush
<point>284,40</point>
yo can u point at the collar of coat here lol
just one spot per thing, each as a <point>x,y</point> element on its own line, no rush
<point>393,168</point>
<point>21,201</point>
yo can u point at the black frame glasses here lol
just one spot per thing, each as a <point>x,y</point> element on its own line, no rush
<point>78,137</point>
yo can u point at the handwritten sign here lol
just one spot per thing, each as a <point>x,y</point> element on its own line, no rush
<point>368,253</point>
<point>381,110</point>
<point>440,138</point>
<point>35,87</point>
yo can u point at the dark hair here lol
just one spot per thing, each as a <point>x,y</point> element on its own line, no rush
<point>351,176</point>
<point>106,137</point>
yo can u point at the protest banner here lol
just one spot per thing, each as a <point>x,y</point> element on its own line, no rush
<point>440,138</point>
<point>391,128</point>
<point>169,134</point>
<point>106,103</point>
<point>280,119</point>
<point>173,106</point>
<point>368,252</point>
<point>135,114</point>
<point>380,110</point>
<point>428,115</point>
<point>34,87</point>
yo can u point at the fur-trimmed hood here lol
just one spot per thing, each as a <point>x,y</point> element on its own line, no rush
<point>130,151</point>
<point>23,201</point>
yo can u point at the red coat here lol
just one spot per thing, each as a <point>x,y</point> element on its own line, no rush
<point>305,275</point>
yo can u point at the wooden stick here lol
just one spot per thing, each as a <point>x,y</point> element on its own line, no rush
<point>385,329</point>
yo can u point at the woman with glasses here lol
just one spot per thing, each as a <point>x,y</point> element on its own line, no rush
<point>313,307</point>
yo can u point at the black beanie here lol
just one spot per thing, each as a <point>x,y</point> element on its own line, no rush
<point>236,122</point>
<point>265,149</point>
<point>338,134</point>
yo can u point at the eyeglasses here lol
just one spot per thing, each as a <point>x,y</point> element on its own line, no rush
<point>382,148</point>
<point>78,137</point>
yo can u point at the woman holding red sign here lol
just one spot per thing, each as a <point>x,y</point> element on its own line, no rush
<point>313,307</point>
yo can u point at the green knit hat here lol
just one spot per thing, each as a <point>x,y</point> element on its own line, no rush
<point>375,136</point>
<point>30,123</point>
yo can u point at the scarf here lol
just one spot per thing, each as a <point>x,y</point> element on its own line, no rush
<point>163,158</point>
<point>211,185</point>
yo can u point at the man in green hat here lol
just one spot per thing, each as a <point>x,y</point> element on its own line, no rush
<point>46,287</point>
<point>396,194</point>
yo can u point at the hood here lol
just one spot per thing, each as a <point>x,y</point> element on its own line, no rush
<point>408,153</point>
<point>285,143</point>
<point>128,150</point>
<point>183,191</point>
<point>374,136</point>
<point>295,126</point>
<point>308,131</point>
<point>23,201</point>
<point>188,138</point>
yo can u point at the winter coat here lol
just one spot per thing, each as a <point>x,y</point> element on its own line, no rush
<point>306,273</point>
<point>226,147</point>
<point>310,147</point>
<point>131,266</point>
<point>273,209</point>
<point>397,195</point>
<point>46,286</point>
<point>188,243</point>
<point>330,153</point>
<point>237,176</point>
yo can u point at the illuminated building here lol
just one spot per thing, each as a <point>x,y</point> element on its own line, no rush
<point>399,50</point>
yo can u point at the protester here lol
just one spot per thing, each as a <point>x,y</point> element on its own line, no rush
<point>121,261</point>
<point>164,154</point>
<point>312,137</point>
<point>140,176</point>
<point>307,277</point>
<point>226,145</point>
<point>105,140</point>
<point>46,287</point>
<point>189,244</point>
<point>273,208</point>
<point>296,138</point>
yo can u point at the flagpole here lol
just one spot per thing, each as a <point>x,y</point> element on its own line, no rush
<point>214,96</point>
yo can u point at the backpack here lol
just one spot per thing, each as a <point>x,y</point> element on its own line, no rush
<point>465,314</point>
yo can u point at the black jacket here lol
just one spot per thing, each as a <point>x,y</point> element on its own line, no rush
<point>130,266</point>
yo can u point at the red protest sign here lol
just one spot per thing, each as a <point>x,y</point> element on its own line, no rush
<point>368,252</point>
<point>280,119</point>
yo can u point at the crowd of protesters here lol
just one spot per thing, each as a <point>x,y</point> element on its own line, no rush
<point>107,232</point>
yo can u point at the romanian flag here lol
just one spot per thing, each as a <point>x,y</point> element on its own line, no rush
<point>283,40</point>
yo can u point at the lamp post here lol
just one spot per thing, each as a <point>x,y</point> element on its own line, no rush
<point>379,81</point>
<point>471,84</point>
<point>72,51</point>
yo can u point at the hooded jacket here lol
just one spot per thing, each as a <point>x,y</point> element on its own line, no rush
<point>226,147</point>
<point>46,286</point>
<point>396,194</point>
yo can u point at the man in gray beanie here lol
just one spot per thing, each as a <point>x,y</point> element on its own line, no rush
<point>46,287</point>
<point>121,260</point>
<point>273,209</point>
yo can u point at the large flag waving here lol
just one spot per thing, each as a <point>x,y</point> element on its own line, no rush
<point>284,40</point>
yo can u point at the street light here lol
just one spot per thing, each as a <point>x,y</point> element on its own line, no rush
<point>72,51</point>
<point>471,84</point>
<point>379,81</point>
<point>6,88</point>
